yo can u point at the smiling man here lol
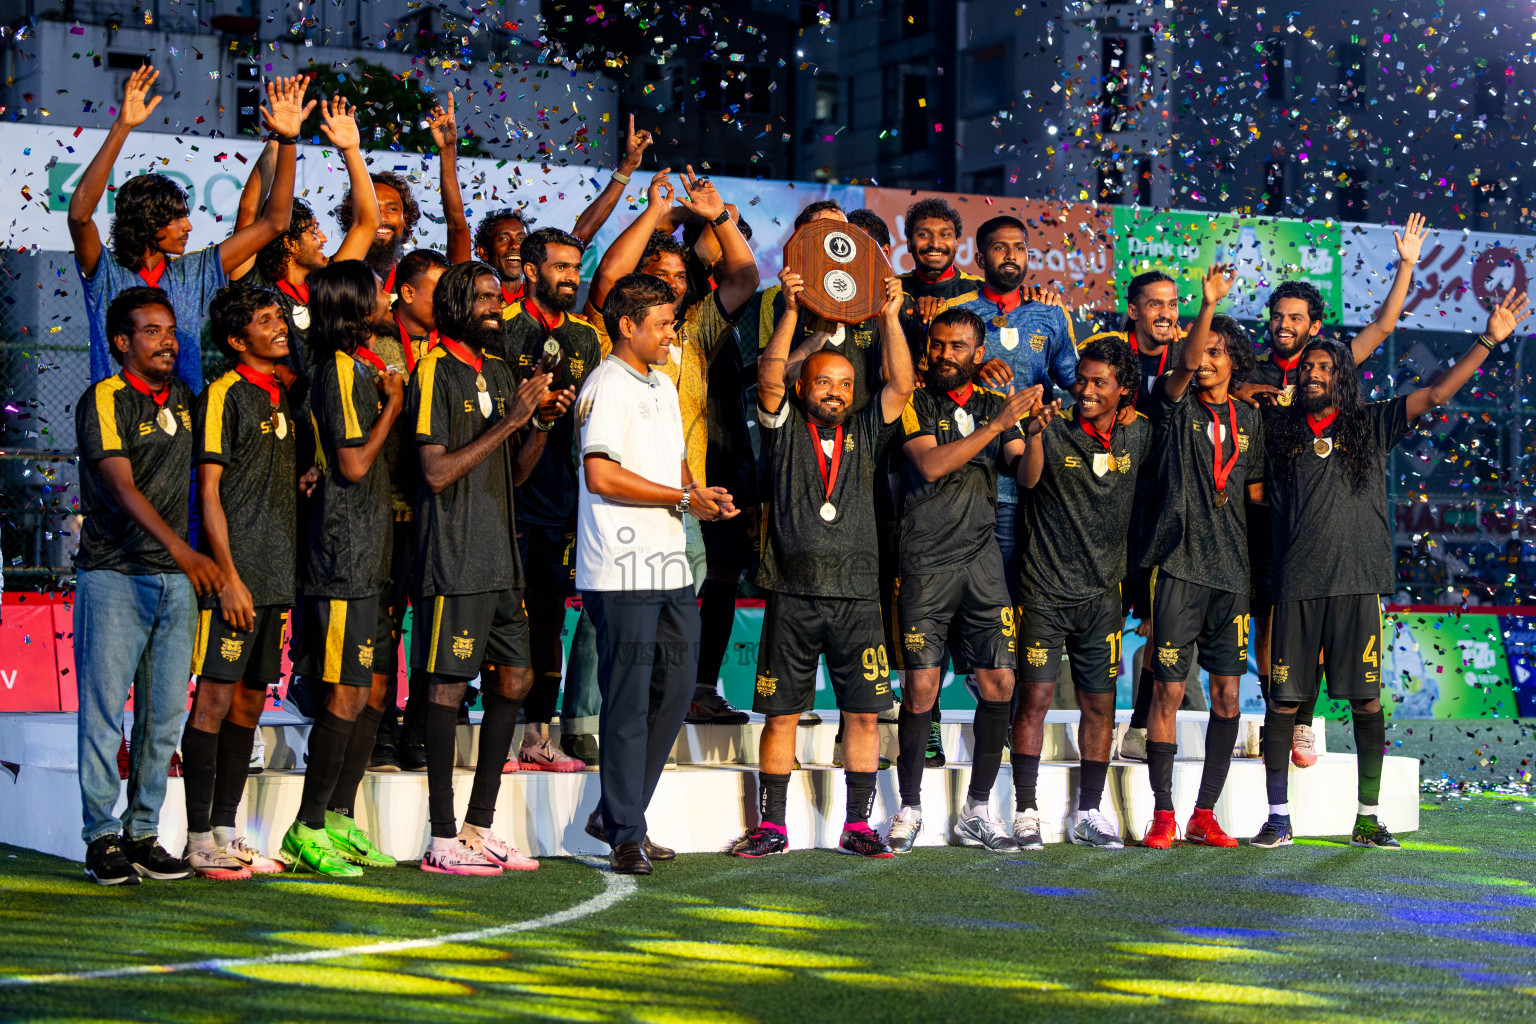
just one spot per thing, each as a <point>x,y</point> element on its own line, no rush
<point>933,230</point>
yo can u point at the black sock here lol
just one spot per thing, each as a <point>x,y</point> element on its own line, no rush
<point>1277,755</point>
<point>496,730</point>
<point>717,613</point>
<point>1090,787</point>
<point>235,743</point>
<point>1264,686</point>
<point>912,731</point>
<point>861,796</point>
<point>199,767</point>
<point>1026,773</point>
<point>1370,741</point>
<point>772,796</point>
<point>442,727</point>
<point>1220,738</point>
<point>1142,708</point>
<point>327,750</point>
<point>1306,711</point>
<point>990,728</point>
<point>1160,769</point>
<point>355,765</point>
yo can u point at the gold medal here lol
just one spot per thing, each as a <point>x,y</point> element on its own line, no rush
<point>1322,446</point>
<point>480,382</point>
<point>829,511</point>
<point>1221,498</point>
<point>167,421</point>
<point>1286,394</point>
<point>1114,463</point>
<point>999,321</point>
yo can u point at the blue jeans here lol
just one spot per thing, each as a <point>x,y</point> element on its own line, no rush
<point>130,631</point>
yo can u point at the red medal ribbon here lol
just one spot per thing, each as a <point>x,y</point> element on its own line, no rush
<point>268,382</point>
<point>389,282</point>
<point>1286,365</point>
<point>1320,425</point>
<point>475,362</point>
<point>367,355</point>
<point>1162,360</point>
<point>1222,472</point>
<point>922,275</point>
<point>152,276</point>
<point>964,394</point>
<point>821,456</point>
<point>298,293</point>
<point>508,296</point>
<point>143,388</point>
<point>533,310</point>
<point>1005,303</point>
<point>407,344</point>
<point>1105,439</point>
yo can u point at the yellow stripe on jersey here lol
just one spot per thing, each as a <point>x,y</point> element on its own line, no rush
<point>213,430</point>
<point>511,309</point>
<point>909,422</point>
<point>346,368</point>
<point>426,376</point>
<point>200,644</point>
<point>335,641</point>
<point>106,413</point>
<point>969,296</point>
<point>437,631</point>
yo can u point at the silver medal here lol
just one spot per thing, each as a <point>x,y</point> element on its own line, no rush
<point>829,511</point>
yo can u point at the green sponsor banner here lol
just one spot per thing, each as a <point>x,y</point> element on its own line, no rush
<point>1265,251</point>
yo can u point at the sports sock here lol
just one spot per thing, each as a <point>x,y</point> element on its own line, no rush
<point>496,730</point>
<point>990,728</point>
<point>359,752</point>
<point>1220,738</point>
<point>1145,685</point>
<point>199,766</point>
<point>235,743</point>
<point>912,729</point>
<point>717,613</point>
<point>1160,770</point>
<point>1026,773</point>
<point>772,796</point>
<point>1090,787</point>
<point>1277,754</point>
<point>327,749</point>
<point>441,741</point>
<point>1370,741</point>
<point>861,796</point>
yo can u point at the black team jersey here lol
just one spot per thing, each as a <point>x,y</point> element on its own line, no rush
<point>1194,539</point>
<point>858,343</point>
<point>548,496</point>
<point>805,553</point>
<point>464,534</point>
<point>114,418</point>
<point>951,288</point>
<point>294,302</point>
<point>349,530</point>
<point>240,428</point>
<point>948,523</point>
<point>1272,372</point>
<point>1328,540</point>
<point>1077,514</point>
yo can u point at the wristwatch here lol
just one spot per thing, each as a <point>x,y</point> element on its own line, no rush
<point>725,215</point>
<point>682,506</point>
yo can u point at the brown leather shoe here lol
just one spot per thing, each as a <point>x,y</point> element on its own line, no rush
<point>655,852</point>
<point>629,859</point>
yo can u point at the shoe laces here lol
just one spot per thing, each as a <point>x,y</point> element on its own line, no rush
<point>1096,821</point>
<point>1173,829</point>
<point>901,828</point>
<point>1028,820</point>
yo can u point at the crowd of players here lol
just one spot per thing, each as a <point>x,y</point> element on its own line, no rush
<point>958,479</point>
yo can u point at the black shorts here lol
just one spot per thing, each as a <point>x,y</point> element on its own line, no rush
<point>1184,614</point>
<point>1091,633</point>
<point>338,643</point>
<point>548,554</point>
<point>465,631</point>
<point>797,631</point>
<point>1261,561</point>
<point>1136,594</point>
<point>971,603</point>
<point>223,654</point>
<point>1348,632</point>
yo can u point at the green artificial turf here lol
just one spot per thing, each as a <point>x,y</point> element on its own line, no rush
<point>1444,930</point>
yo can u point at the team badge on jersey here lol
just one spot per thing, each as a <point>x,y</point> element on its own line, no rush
<point>1010,338</point>
<point>964,422</point>
<point>1037,342</point>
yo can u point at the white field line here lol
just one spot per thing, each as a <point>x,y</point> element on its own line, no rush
<point>615,889</point>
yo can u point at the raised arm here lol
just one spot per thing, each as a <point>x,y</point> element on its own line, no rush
<point>1213,288</point>
<point>251,197</point>
<point>338,120</point>
<point>440,468</point>
<point>445,134</point>
<point>284,118</point>
<point>624,254</point>
<point>1410,241</point>
<point>935,461</point>
<point>596,215</point>
<point>135,110</point>
<point>771,360</point>
<point>355,462</point>
<point>737,277</point>
<point>895,356</point>
<point>1502,321</point>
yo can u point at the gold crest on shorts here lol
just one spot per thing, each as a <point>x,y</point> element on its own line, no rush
<point>766,685</point>
<point>1037,656</point>
<point>229,648</point>
<point>463,646</point>
<point>365,655</point>
<point>1168,656</point>
<point>1279,673</point>
<point>914,641</point>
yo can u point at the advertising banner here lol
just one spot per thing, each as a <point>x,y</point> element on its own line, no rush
<point>1460,273</point>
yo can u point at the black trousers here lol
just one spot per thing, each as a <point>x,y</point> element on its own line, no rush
<point>647,658</point>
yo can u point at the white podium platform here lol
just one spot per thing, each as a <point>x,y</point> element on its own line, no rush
<point>709,800</point>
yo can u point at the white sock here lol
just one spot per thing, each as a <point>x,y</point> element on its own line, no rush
<point>1082,815</point>
<point>200,840</point>
<point>223,835</point>
<point>1284,810</point>
<point>1369,809</point>
<point>976,808</point>
<point>909,812</point>
<point>441,845</point>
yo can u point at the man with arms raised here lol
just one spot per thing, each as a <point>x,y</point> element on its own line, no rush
<point>1327,489</point>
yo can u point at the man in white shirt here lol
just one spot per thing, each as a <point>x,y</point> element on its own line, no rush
<point>631,560</point>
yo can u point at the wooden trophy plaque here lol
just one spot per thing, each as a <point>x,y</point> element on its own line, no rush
<point>844,270</point>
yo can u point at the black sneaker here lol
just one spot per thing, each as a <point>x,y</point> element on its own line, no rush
<point>384,759</point>
<point>934,758</point>
<point>762,841</point>
<point>303,698</point>
<point>106,864</point>
<point>863,841</point>
<point>1372,833</point>
<point>150,860</point>
<point>413,757</point>
<point>1276,832</point>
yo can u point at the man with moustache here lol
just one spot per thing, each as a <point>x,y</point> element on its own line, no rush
<point>1295,318</point>
<point>951,586</point>
<point>1327,488</point>
<point>933,239</point>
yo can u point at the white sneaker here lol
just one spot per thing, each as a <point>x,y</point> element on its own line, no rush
<point>212,861</point>
<point>496,849</point>
<point>247,854</point>
<point>1133,745</point>
<point>1093,829</point>
<point>904,829</point>
<point>452,857</point>
<point>1303,747</point>
<point>1026,830</point>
